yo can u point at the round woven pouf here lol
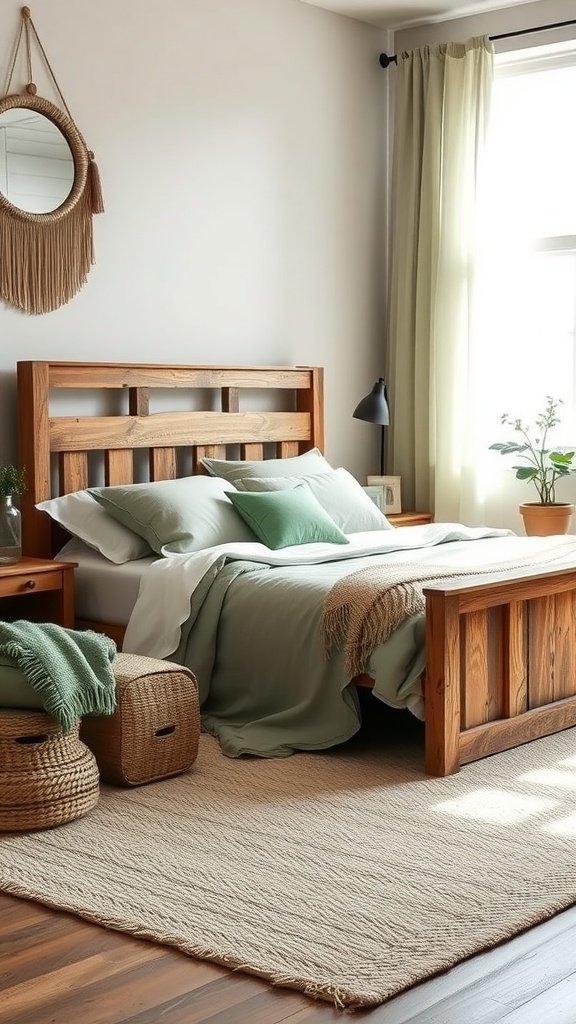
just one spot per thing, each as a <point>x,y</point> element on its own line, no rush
<point>47,777</point>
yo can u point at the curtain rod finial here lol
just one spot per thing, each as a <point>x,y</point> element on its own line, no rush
<point>384,60</point>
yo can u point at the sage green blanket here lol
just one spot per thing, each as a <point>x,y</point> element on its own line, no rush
<point>71,671</point>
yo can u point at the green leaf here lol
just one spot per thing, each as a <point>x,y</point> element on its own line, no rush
<point>525,473</point>
<point>510,448</point>
<point>561,458</point>
<point>12,480</point>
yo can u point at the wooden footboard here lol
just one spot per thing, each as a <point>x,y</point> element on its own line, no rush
<point>500,665</point>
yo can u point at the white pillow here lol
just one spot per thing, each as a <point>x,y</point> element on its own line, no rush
<point>83,517</point>
<point>309,464</point>
<point>339,493</point>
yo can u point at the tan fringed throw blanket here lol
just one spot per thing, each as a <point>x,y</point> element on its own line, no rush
<point>364,608</point>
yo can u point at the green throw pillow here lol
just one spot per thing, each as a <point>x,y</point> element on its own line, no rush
<point>283,518</point>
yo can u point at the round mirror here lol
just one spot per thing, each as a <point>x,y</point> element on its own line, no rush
<point>46,204</point>
<point>67,161</point>
<point>36,162</point>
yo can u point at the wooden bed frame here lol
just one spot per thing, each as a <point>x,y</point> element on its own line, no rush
<point>500,655</point>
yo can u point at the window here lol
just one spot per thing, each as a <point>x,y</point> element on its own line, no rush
<point>527,270</point>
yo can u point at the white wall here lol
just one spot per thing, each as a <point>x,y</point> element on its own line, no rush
<point>511,19</point>
<point>241,148</point>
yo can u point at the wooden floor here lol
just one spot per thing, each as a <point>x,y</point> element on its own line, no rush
<point>58,969</point>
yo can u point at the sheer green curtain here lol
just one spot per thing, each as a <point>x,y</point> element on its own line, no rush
<point>442,102</point>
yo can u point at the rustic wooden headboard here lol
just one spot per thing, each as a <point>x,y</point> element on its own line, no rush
<point>55,449</point>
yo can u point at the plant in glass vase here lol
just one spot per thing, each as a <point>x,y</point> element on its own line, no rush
<point>541,466</point>
<point>12,482</point>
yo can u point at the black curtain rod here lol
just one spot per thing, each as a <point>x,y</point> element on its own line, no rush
<point>385,60</point>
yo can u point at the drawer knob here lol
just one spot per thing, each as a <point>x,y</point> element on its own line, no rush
<point>30,584</point>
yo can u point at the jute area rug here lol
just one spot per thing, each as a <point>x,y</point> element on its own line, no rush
<point>349,875</point>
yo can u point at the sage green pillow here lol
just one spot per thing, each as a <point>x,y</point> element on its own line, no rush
<point>308,464</point>
<point>15,690</point>
<point>283,518</point>
<point>339,493</point>
<point>176,516</point>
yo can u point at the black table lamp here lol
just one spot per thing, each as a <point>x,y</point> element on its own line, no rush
<point>374,409</point>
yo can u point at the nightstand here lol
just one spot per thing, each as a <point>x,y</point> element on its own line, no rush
<point>38,589</point>
<point>410,518</point>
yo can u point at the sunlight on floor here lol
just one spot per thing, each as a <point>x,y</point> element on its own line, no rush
<point>568,762</point>
<point>496,805</point>
<point>561,827</point>
<point>551,777</point>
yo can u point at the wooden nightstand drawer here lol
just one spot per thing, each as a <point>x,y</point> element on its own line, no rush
<point>31,583</point>
<point>39,589</point>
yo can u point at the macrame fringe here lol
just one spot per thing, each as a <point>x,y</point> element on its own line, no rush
<point>44,264</point>
<point>95,185</point>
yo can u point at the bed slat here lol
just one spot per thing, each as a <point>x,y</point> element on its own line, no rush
<point>475,695</point>
<point>162,463</point>
<point>514,662</point>
<point>230,400</point>
<point>206,451</point>
<point>118,466</point>
<point>541,652</point>
<point>552,635</point>
<point>254,452</point>
<point>287,449</point>
<point>176,428</point>
<point>138,401</point>
<point>565,664</point>
<point>73,469</point>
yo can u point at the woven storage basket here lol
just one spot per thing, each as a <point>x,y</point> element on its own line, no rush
<point>155,729</point>
<point>47,777</point>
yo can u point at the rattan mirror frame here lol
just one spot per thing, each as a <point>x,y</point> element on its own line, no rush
<point>77,147</point>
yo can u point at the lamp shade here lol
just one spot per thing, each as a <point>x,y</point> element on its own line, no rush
<point>373,408</point>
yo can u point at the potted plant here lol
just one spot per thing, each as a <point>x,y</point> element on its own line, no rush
<point>541,466</point>
<point>12,482</point>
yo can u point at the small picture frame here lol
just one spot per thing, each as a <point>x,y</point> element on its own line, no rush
<point>391,492</point>
<point>376,494</point>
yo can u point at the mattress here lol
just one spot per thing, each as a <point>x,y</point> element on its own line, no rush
<point>104,592</point>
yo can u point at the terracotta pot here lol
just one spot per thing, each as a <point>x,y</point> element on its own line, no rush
<point>546,520</point>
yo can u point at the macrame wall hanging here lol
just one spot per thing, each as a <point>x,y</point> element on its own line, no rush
<point>49,190</point>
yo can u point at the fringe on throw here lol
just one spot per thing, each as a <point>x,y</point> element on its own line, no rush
<point>365,607</point>
<point>358,626</point>
<point>44,263</point>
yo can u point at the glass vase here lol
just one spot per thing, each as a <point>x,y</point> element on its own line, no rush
<point>10,531</point>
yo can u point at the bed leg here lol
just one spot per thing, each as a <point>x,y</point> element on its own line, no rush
<point>442,687</point>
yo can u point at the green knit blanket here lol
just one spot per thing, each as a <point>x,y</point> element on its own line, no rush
<point>70,670</point>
